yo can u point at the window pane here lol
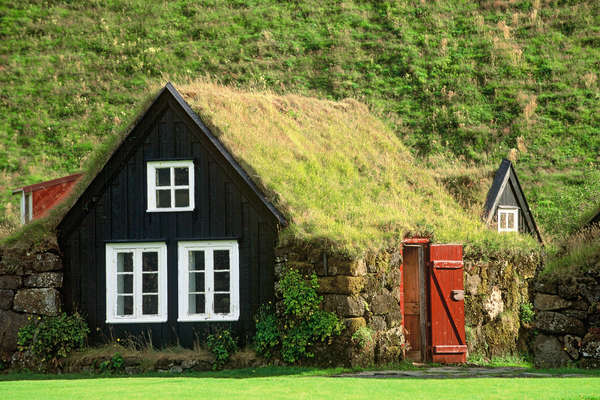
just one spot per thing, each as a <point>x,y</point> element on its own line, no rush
<point>511,221</point>
<point>163,198</point>
<point>182,198</point>
<point>196,304</point>
<point>502,221</point>
<point>163,176</point>
<point>222,281</point>
<point>124,305</point>
<point>150,304</point>
<point>221,259</point>
<point>149,283</point>
<point>149,261</point>
<point>196,282</point>
<point>181,176</point>
<point>196,261</point>
<point>221,303</point>
<point>124,284</point>
<point>27,210</point>
<point>125,262</point>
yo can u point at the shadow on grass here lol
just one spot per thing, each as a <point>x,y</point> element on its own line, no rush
<point>274,371</point>
<point>243,373</point>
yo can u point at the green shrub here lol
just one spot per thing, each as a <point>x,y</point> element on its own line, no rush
<point>222,345</point>
<point>298,324</point>
<point>363,336</point>
<point>526,313</point>
<point>51,339</point>
<point>115,365</point>
<point>267,331</point>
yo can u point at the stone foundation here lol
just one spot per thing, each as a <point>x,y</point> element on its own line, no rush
<point>568,320</point>
<point>30,284</point>
<point>363,293</point>
<point>494,292</point>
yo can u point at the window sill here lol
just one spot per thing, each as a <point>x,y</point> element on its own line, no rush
<point>206,318</point>
<point>159,319</point>
<point>184,209</point>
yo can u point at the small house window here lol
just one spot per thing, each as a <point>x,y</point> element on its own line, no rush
<point>208,281</point>
<point>170,186</point>
<point>26,207</point>
<point>508,219</point>
<point>136,282</point>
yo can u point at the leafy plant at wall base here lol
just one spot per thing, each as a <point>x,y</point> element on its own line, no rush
<point>222,345</point>
<point>51,339</point>
<point>363,336</point>
<point>267,337</point>
<point>299,323</point>
<point>526,313</point>
<point>114,365</point>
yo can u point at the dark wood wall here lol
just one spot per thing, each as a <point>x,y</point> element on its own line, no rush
<point>113,209</point>
<point>509,198</point>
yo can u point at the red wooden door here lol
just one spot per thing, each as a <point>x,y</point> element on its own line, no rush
<point>447,305</point>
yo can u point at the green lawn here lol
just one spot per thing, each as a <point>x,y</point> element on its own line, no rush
<point>300,387</point>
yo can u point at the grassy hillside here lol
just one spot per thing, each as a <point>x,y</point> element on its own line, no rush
<point>460,82</point>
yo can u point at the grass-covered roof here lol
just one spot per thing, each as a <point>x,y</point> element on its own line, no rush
<point>338,173</point>
<point>341,177</point>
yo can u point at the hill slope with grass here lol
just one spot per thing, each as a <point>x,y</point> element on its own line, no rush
<point>461,83</point>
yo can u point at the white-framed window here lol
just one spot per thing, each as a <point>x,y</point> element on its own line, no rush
<point>26,207</point>
<point>170,186</point>
<point>508,219</point>
<point>209,281</point>
<point>136,282</point>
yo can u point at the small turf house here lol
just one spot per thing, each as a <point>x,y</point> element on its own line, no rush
<point>37,200</point>
<point>183,228</point>
<point>506,207</point>
<point>170,234</point>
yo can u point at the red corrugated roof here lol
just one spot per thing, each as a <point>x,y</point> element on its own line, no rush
<point>47,184</point>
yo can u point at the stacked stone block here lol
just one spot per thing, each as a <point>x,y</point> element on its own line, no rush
<point>30,283</point>
<point>568,320</point>
<point>363,292</point>
<point>494,292</point>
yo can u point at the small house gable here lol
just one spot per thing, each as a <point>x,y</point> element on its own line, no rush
<point>506,207</point>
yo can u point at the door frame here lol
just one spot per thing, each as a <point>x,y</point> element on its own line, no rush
<point>424,293</point>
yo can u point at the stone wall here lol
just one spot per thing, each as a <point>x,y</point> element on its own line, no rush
<point>30,283</point>
<point>568,320</point>
<point>495,290</point>
<point>363,292</point>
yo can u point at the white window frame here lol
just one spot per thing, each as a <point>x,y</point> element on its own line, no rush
<point>151,168</point>
<point>112,249</point>
<point>508,211</point>
<point>26,205</point>
<point>234,283</point>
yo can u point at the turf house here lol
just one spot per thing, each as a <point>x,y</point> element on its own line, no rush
<point>183,224</point>
<point>506,207</point>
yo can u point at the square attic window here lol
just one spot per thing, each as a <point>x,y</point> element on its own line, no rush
<point>508,219</point>
<point>170,186</point>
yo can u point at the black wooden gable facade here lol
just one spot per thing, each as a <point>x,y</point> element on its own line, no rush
<point>506,207</point>
<point>113,211</point>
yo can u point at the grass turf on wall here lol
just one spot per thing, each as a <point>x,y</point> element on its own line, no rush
<point>467,79</point>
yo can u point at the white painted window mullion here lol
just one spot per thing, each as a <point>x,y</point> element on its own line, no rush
<point>209,281</point>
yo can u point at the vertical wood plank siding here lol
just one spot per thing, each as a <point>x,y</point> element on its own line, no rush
<point>116,211</point>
